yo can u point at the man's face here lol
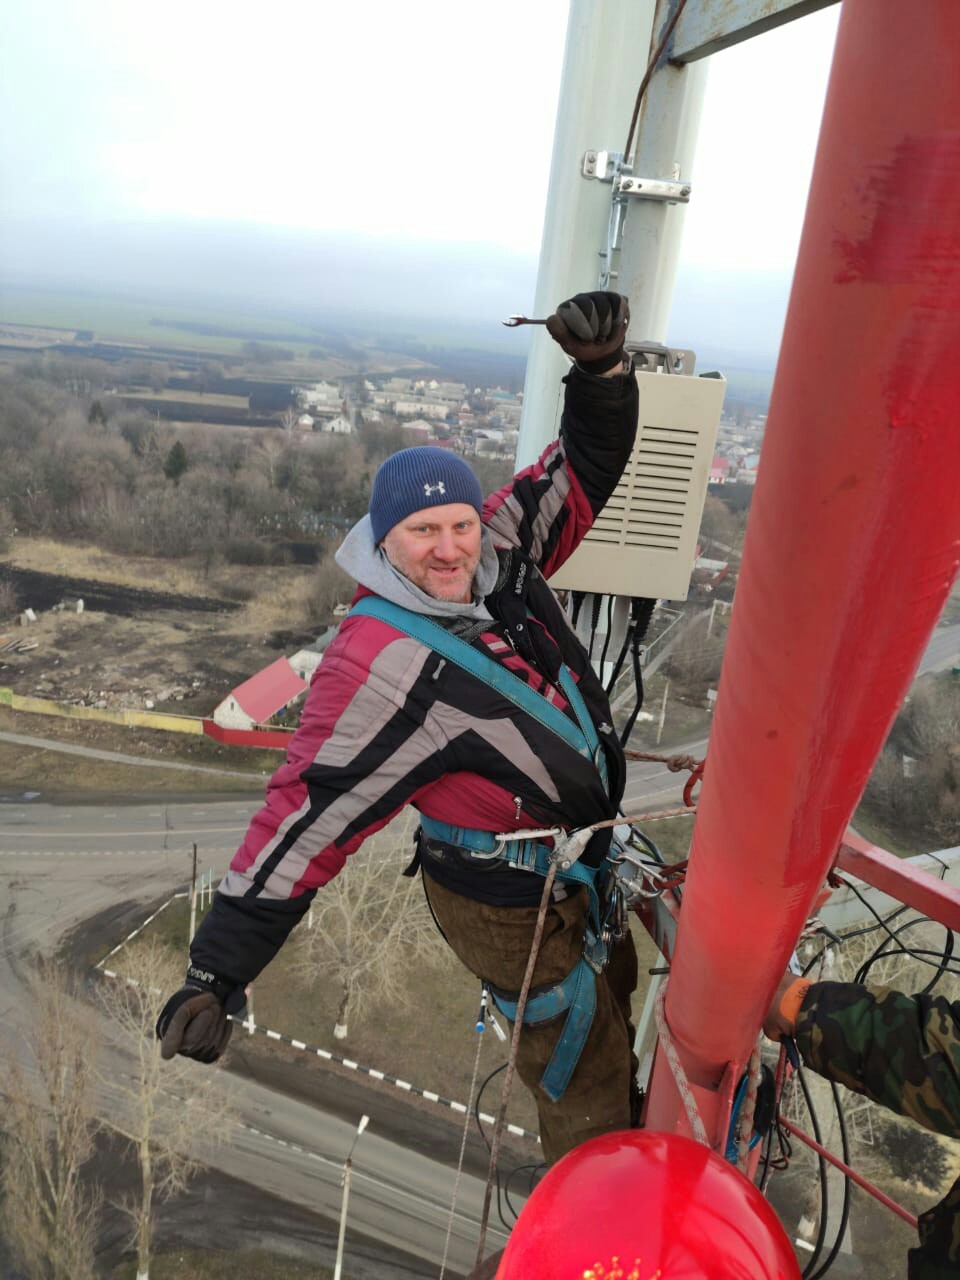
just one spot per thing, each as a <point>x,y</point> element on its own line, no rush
<point>438,549</point>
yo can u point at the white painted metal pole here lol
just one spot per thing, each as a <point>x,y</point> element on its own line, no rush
<point>664,148</point>
<point>663,712</point>
<point>348,1165</point>
<point>606,54</point>
<point>193,898</point>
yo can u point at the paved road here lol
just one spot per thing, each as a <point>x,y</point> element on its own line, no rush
<point>942,651</point>
<point>60,867</point>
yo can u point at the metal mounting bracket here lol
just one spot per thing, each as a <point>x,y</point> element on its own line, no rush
<point>652,189</point>
<point>609,166</point>
<point>654,357</point>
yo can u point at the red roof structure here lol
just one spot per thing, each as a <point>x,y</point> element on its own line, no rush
<point>264,694</point>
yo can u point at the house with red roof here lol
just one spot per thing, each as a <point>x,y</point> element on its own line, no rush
<point>258,699</point>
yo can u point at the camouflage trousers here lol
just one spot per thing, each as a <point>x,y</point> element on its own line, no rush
<point>494,944</point>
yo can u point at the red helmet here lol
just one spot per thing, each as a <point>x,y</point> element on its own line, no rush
<point>640,1205</point>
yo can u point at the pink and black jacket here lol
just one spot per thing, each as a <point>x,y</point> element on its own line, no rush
<point>387,722</point>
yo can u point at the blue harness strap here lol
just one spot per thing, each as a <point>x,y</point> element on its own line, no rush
<point>575,997</point>
<point>582,736</point>
<point>525,855</point>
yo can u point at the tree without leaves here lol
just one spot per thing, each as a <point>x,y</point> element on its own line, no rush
<point>169,1111</point>
<point>922,802</point>
<point>49,1215</point>
<point>369,923</point>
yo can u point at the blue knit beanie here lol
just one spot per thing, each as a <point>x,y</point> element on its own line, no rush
<point>412,479</point>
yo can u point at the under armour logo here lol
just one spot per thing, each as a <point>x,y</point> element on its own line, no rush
<point>430,489</point>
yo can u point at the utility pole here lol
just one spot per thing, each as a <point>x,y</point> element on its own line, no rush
<point>348,1165</point>
<point>193,894</point>
<point>663,712</point>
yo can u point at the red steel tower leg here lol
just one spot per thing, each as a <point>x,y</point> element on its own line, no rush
<point>854,535</point>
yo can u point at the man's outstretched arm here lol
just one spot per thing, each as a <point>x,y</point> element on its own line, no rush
<point>899,1050</point>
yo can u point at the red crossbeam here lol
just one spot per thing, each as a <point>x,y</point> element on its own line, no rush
<point>901,880</point>
<point>852,1174</point>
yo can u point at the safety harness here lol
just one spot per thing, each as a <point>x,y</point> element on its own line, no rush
<point>575,996</point>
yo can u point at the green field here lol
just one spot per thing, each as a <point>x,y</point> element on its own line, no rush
<point>129,320</point>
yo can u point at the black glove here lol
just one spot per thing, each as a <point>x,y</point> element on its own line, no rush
<point>591,327</point>
<point>194,1023</point>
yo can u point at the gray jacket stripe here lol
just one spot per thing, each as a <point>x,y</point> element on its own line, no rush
<point>391,676</point>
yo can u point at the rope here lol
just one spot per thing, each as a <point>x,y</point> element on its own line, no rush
<point>748,1109</point>
<point>512,1060</point>
<point>679,1075</point>
<point>658,816</point>
<point>676,764</point>
<point>463,1141</point>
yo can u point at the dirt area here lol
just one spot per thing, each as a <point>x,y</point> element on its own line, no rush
<point>180,643</point>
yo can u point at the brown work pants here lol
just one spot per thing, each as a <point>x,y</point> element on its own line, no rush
<point>494,943</point>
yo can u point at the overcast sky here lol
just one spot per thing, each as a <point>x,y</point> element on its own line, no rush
<point>424,122</point>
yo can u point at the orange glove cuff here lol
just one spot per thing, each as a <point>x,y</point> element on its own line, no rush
<point>792,999</point>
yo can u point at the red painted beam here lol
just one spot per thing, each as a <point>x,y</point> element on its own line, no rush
<point>854,534</point>
<point>900,879</point>
<point>864,1183</point>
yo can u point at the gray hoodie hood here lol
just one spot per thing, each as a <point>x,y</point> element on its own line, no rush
<point>368,564</point>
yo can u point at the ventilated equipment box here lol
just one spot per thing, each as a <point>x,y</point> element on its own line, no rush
<point>644,541</point>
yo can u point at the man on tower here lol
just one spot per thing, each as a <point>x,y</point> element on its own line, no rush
<point>457,685</point>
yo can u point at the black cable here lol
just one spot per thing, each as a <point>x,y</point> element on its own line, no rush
<point>577,598</point>
<point>594,622</point>
<point>937,959</point>
<point>824,1197</point>
<point>645,839</point>
<point>476,1115</point>
<point>532,1170</point>
<point>638,685</point>
<point>621,656</point>
<point>644,613</point>
<point>845,1211</point>
<point>503,1187</point>
<point>606,643</point>
<point>917,953</point>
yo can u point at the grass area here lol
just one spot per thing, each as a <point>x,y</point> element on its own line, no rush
<point>84,560</point>
<point>129,320</point>
<point>244,1264</point>
<point>58,773</point>
<point>682,722</point>
<point>189,397</point>
<point>872,829</point>
<point>426,1037</point>
<point>672,837</point>
<point>75,777</point>
<point>282,591</point>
